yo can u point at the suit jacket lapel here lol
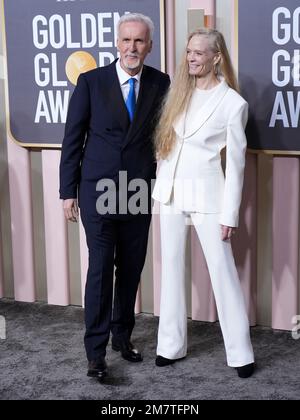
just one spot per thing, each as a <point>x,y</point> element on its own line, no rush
<point>203,115</point>
<point>147,94</point>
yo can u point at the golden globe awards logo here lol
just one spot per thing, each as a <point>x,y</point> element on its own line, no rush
<point>286,67</point>
<point>57,33</point>
<point>269,73</point>
<point>49,44</point>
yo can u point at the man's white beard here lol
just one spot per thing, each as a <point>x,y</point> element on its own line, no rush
<point>132,66</point>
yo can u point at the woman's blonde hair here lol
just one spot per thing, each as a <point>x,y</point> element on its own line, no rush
<point>182,89</point>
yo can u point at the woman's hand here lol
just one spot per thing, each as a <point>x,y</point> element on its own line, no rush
<point>227,232</point>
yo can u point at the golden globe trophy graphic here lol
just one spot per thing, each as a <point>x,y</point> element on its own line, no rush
<point>79,62</point>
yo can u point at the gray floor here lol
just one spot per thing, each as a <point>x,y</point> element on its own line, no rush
<point>43,358</point>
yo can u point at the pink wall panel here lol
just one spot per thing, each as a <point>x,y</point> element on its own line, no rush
<point>234,34</point>
<point>170,58</point>
<point>21,221</point>
<point>203,302</point>
<point>285,289</point>
<point>170,37</point>
<point>245,241</point>
<point>138,304</point>
<point>208,5</point>
<point>1,272</point>
<point>57,262</point>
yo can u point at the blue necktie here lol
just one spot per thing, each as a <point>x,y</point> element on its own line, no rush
<point>131,100</point>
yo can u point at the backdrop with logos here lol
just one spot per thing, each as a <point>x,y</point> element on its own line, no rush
<point>48,44</point>
<point>269,72</point>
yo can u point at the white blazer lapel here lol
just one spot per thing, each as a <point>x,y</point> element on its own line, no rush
<point>179,125</point>
<point>206,111</point>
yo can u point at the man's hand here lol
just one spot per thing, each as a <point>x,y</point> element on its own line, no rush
<point>71,210</point>
<point>227,232</point>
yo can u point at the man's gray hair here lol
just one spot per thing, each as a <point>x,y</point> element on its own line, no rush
<point>137,17</point>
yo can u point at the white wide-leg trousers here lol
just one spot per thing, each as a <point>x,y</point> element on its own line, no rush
<point>172,334</point>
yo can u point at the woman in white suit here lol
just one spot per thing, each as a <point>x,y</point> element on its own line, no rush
<point>203,114</point>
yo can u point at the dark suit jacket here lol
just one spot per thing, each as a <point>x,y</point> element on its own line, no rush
<point>99,139</point>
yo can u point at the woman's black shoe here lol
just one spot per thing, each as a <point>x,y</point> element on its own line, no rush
<point>163,361</point>
<point>246,371</point>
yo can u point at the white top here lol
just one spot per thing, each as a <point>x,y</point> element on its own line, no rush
<point>198,100</point>
<point>124,81</point>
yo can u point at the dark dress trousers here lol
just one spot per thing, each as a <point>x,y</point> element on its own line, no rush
<point>100,141</point>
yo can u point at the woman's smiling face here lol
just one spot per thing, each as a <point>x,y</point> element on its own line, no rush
<point>200,56</point>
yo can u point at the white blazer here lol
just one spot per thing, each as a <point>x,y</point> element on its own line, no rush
<point>192,174</point>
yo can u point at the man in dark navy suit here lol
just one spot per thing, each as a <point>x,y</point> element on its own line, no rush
<point>111,121</point>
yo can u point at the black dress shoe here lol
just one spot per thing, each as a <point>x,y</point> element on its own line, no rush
<point>127,350</point>
<point>161,361</point>
<point>97,369</point>
<point>246,371</point>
